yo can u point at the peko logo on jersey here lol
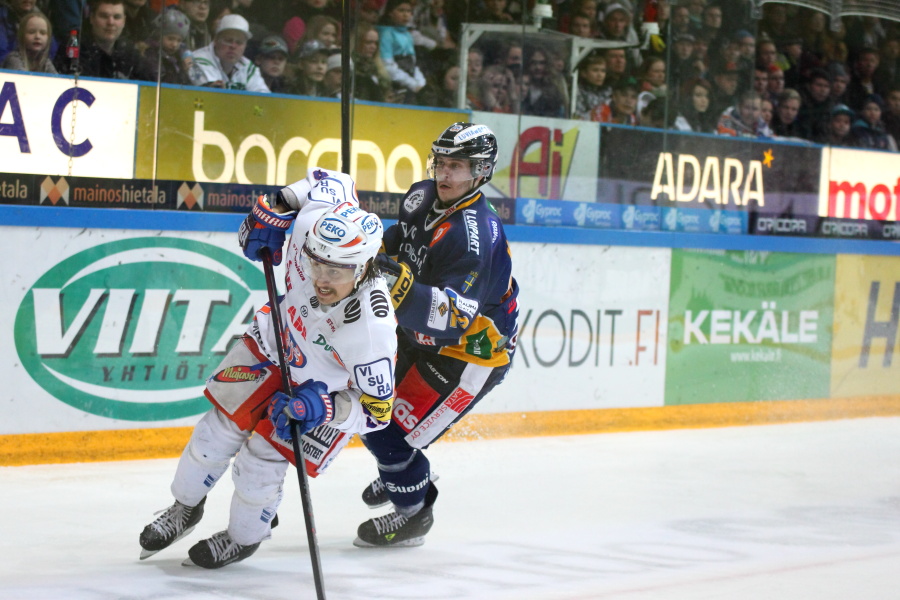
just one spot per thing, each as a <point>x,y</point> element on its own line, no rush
<point>376,379</point>
<point>131,329</point>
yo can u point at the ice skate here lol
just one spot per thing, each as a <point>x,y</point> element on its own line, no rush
<point>396,530</point>
<point>218,551</point>
<point>375,495</point>
<point>173,524</point>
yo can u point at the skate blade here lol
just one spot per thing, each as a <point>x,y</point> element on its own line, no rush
<point>416,541</point>
<point>189,563</point>
<point>374,506</point>
<point>145,554</point>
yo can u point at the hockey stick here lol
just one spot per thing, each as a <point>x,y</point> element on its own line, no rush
<point>295,429</point>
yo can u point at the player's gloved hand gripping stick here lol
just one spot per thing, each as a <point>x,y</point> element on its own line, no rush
<point>266,255</point>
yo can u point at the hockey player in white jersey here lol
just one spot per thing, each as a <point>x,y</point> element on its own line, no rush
<point>339,335</point>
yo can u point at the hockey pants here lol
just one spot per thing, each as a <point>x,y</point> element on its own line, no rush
<point>433,392</point>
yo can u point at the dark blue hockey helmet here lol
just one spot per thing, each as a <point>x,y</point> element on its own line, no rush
<point>471,141</point>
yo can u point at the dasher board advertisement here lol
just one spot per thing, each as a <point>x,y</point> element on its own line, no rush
<point>51,126</point>
<point>592,329</point>
<point>113,329</point>
<point>863,185</point>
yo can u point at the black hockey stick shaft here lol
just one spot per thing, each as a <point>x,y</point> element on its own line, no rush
<point>295,428</point>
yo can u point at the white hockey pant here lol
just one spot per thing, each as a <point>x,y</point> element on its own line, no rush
<point>258,474</point>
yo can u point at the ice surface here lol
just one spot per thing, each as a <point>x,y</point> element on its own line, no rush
<point>796,511</point>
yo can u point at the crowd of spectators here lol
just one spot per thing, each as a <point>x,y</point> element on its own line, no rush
<point>703,66</point>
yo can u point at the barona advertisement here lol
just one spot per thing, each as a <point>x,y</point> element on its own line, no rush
<point>130,329</point>
<point>748,325</point>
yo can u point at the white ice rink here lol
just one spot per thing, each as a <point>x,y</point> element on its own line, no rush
<point>798,511</point>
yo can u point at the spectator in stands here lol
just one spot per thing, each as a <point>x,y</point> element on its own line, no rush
<point>103,51</point>
<point>271,58</point>
<point>398,49</point>
<point>474,67</point>
<point>695,7</point>
<point>725,87</point>
<point>868,130</point>
<point>164,55</point>
<point>512,58</point>
<point>887,75</point>
<point>32,52</point>
<point>652,81</point>
<point>784,121</point>
<point>862,82</point>
<point>891,114</point>
<point>684,67</point>
<point>372,81</point>
<point>681,22</point>
<point>139,23</point>
<point>746,43</point>
<point>496,91</point>
<point>711,23</point>
<point>657,115</point>
<point>222,64</point>
<point>581,8</point>
<point>442,86</point>
<point>322,29</point>
<point>312,60</point>
<point>865,32</point>
<point>792,51</point>
<point>617,26</point>
<point>743,119</point>
<point>815,110</point>
<point>622,107</point>
<point>766,53</point>
<point>767,111</point>
<point>11,13</point>
<point>839,82</point>
<point>760,81</point>
<point>494,11</point>
<point>694,113</point>
<point>431,34</point>
<point>776,83</point>
<point>774,23</point>
<point>331,84</point>
<point>581,26</point>
<point>616,66</point>
<point>544,98</point>
<point>197,11</point>
<point>838,131</point>
<point>593,90</point>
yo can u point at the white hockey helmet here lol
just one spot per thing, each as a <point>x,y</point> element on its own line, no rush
<point>343,239</point>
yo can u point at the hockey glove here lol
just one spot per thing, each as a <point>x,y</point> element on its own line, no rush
<point>264,228</point>
<point>398,276</point>
<point>310,406</point>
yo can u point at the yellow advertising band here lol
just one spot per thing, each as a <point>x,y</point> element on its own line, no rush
<point>133,444</point>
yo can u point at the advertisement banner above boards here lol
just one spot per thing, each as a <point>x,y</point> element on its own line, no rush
<point>865,354</point>
<point>591,336</point>
<point>862,185</point>
<point>646,168</point>
<point>51,126</point>
<point>114,329</point>
<point>543,158</point>
<point>227,137</point>
<point>748,325</point>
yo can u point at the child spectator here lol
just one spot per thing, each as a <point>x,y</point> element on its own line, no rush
<point>331,84</point>
<point>694,113</point>
<point>163,57</point>
<point>622,107</point>
<point>592,87</point>
<point>496,91</point>
<point>398,49</point>
<point>271,58</point>
<point>743,120</point>
<point>784,121</point>
<point>11,13</point>
<point>868,130</point>
<point>371,79</point>
<point>311,65</point>
<point>838,131</point>
<point>33,49</point>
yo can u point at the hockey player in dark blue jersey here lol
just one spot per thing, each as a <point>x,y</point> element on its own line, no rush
<point>447,262</point>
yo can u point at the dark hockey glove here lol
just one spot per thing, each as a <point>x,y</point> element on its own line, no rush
<point>310,406</point>
<point>264,228</point>
<point>398,276</point>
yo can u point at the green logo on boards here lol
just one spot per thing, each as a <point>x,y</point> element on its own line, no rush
<point>131,329</point>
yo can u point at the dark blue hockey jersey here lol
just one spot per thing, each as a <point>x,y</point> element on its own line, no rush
<point>464,299</point>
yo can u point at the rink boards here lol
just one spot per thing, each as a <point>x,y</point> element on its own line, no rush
<point>115,322</point>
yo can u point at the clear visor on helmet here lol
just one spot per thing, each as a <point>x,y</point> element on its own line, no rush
<point>446,168</point>
<point>323,271</point>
